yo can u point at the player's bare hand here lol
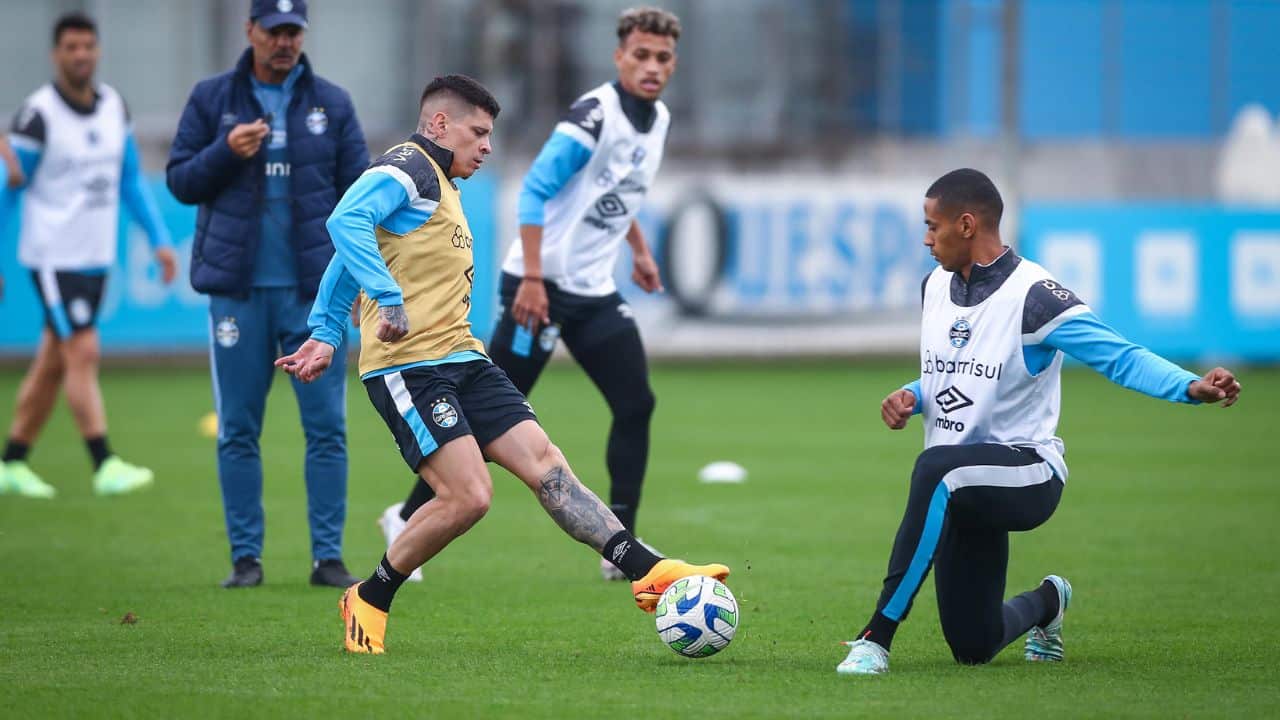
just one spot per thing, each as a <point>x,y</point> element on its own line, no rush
<point>355,312</point>
<point>530,306</point>
<point>645,274</point>
<point>245,138</point>
<point>897,408</point>
<point>393,324</point>
<point>309,361</point>
<point>1217,384</point>
<point>15,177</point>
<point>168,261</point>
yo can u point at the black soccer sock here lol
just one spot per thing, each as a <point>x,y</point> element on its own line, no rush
<point>380,589</point>
<point>1048,593</point>
<point>1034,608</point>
<point>98,450</point>
<point>629,555</point>
<point>15,451</point>
<point>879,630</point>
<point>420,495</point>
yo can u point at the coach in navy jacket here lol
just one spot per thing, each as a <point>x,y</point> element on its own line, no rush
<point>229,189</point>
<point>266,150</point>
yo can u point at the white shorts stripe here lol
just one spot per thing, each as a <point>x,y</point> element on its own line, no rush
<point>399,393</point>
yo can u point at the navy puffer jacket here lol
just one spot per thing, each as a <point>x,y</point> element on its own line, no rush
<point>326,154</point>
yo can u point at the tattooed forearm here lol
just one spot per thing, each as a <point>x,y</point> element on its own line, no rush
<point>395,323</point>
<point>576,509</point>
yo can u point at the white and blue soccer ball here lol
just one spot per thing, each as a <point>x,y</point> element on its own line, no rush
<point>697,616</point>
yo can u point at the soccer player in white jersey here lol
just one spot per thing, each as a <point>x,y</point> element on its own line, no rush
<point>577,207</point>
<point>995,327</point>
<point>78,160</point>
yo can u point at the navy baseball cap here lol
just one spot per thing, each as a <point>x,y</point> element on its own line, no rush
<point>273,13</point>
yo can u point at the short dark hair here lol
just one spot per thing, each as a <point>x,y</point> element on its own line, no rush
<point>73,21</point>
<point>968,190</point>
<point>652,20</point>
<point>463,88</point>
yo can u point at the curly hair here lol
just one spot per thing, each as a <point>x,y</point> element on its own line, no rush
<point>652,20</point>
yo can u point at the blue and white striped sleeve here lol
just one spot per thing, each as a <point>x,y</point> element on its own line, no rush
<point>1054,319</point>
<point>567,151</point>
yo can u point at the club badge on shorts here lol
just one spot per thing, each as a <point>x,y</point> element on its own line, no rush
<point>317,121</point>
<point>227,333</point>
<point>444,415</point>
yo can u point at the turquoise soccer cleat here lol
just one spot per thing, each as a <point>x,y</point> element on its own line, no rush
<point>1045,644</point>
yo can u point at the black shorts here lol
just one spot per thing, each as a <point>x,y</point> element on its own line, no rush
<point>583,321</point>
<point>426,407</point>
<point>71,299</point>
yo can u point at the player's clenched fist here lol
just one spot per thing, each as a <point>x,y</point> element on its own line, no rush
<point>897,408</point>
<point>1217,384</point>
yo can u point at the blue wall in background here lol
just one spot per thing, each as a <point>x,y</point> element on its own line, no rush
<point>1187,282</point>
<point>140,314</point>
<point>1137,69</point>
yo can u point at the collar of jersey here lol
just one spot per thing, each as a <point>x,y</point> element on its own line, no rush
<point>442,156</point>
<point>78,109</point>
<point>640,113</point>
<point>984,280</point>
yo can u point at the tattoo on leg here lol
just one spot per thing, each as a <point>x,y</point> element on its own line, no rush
<point>576,509</point>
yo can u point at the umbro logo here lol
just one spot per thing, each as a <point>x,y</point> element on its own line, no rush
<point>952,399</point>
<point>620,550</point>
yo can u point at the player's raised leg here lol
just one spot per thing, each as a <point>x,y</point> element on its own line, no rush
<point>463,492</point>
<point>529,454</point>
<point>36,397</point>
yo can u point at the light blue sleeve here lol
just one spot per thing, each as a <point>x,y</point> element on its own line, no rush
<point>328,318</point>
<point>914,387</point>
<point>1086,338</point>
<point>372,198</point>
<point>29,160</point>
<point>138,198</point>
<point>560,158</point>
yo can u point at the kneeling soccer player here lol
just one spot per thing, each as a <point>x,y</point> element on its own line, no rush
<point>401,237</point>
<point>994,329</point>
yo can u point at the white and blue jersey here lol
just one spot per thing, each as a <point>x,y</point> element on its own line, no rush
<point>587,184</point>
<point>991,357</point>
<point>80,163</point>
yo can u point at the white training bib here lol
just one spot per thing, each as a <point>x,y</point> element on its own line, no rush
<point>974,381</point>
<point>71,207</point>
<point>586,222</point>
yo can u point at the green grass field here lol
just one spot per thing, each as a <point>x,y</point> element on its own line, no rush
<point>1167,531</point>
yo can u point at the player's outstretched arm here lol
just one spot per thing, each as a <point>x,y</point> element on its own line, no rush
<point>309,361</point>
<point>1219,384</point>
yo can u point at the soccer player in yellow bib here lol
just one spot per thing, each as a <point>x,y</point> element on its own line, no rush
<point>402,243</point>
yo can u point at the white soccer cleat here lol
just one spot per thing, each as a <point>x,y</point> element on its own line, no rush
<point>609,571</point>
<point>865,658</point>
<point>392,525</point>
